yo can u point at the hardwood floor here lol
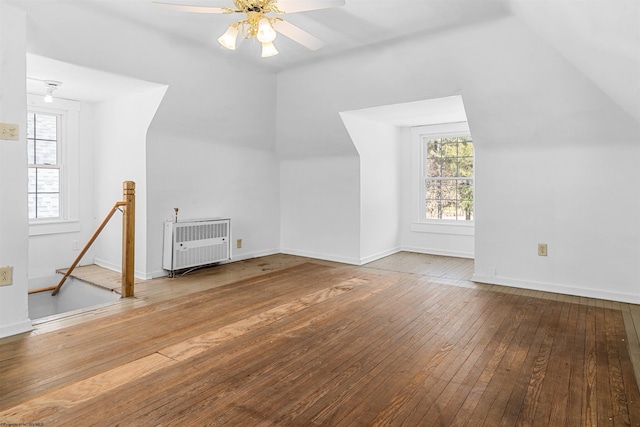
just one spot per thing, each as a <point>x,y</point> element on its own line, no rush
<point>282,340</point>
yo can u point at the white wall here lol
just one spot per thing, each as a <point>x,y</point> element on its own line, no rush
<point>320,208</point>
<point>14,315</point>
<point>379,147</point>
<point>217,114</point>
<point>205,180</point>
<point>120,135</point>
<point>455,240</point>
<point>528,108</point>
<point>49,252</point>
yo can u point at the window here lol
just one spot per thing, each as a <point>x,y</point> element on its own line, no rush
<point>53,165</point>
<point>447,177</point>
<point>43,138</point>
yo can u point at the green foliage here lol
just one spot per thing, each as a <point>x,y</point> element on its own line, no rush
<point>449,161</point>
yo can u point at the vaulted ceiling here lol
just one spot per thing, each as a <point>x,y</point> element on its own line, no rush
<point>600,38</point>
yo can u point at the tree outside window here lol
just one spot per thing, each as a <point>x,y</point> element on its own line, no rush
<point>448,178</point>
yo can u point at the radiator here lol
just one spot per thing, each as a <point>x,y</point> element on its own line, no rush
<point>194,243</point>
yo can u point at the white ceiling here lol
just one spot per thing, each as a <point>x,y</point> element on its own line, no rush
<point>79,83</point>
<point>357,24</point>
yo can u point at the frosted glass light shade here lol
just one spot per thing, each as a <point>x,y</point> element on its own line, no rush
<point>266,33</point>
<point>228,39</point>
<point>268,49</point>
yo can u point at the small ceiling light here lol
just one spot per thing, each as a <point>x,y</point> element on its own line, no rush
<point>51,85</point>
<point>228,39</point>
<point>268,49</point>
<point>266,33</point>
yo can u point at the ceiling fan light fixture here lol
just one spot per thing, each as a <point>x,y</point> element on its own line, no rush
<point>266,33</point>
<point>268,49</point>
<point>228,39</point>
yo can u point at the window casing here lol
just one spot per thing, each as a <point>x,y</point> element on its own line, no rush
<point>44,162</point>
<point>447,177</point>
<point>450,223</point>
<point>53,167</point>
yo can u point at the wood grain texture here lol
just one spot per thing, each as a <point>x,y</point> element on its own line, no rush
<point>289,341</point>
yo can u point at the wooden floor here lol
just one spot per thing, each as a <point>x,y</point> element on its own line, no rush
<point>282,340</point>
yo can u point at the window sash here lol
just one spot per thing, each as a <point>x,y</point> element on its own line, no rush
<point>45,194</point>
<point>446,188</point>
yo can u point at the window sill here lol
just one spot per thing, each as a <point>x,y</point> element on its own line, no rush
<point>41,228</point>
<point>445,227</point>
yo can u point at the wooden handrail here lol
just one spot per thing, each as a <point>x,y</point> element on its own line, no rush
<point>87,246</point>
<point>35,291</point>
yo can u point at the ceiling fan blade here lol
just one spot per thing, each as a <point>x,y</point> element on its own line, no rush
<point>297,34</point>
<point>293,6</point>
<point>196,9</point>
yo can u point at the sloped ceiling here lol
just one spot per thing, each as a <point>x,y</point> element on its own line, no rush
<point>599,37</point>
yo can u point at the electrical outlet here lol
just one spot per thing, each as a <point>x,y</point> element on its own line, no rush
<point>6,276</point>
<point>239,243</point>
<point>542,249</point>
<point>9,131</point>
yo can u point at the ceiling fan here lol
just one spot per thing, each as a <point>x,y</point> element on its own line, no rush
<point>260,23</point>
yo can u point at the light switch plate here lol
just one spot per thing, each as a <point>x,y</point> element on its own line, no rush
<point>6,276</point>
<point>9,131</point>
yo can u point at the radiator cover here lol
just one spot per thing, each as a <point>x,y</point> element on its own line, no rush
<point>194,243</point>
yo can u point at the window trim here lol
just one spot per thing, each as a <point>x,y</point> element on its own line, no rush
<point>418,221</point>
<point>68,145</point>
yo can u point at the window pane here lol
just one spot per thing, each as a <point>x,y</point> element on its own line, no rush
<point>48,205</point>
<point>450,161</point>
<point>31,186</point>
<point>32,206</point>
<point>48,180</point>
<point>46,152</point>
<point>46,127</point>
<point>434,166</point>
<point>465,166</point>
<point>433,148</point>
<point>465,199</point>
<point>30,125</point>
<point>31,155</point>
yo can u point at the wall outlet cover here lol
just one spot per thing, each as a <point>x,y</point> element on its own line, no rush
<point>6,276</point>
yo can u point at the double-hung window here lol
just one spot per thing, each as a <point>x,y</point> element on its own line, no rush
<point>53,165</point>
<point>43,156</point>
<point>443,178</point>
<point>447,175</point>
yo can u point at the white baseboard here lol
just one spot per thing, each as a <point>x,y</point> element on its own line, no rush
<point>556,288</point>
<point>429,251</point>
<point>326,257</point>
<point>371,258</point>
<point>116,267</point>
<point>16,328</point>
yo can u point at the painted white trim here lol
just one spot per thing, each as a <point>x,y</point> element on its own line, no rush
<point>69,111</point>
<point>379,255</point>
<point>326,257</point>
<point>16,328</point>
<point>431,251</point>
<point>466,229</point>
<point>118,269</point>
<point>556,288</point>
<point>54,227</point>
<point>417,184</point>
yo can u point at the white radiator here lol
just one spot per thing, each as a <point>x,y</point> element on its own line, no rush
<point>194,243</point>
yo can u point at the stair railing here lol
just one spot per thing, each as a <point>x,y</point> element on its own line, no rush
<point>128,241</point>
